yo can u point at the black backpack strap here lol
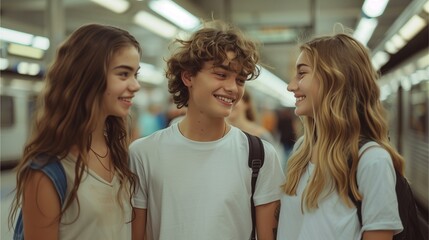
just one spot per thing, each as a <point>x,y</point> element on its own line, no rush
<point>256,160</point>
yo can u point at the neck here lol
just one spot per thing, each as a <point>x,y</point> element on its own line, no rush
<point>203,131</point>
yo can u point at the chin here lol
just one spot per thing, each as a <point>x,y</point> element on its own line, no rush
<point>302,112</point>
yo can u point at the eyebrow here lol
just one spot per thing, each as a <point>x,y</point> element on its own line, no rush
<point>126,67</point>
<point>227,68</point>
<point>301,65</point>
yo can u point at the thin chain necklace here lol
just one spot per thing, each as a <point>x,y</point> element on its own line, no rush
<point>98,155</point>
<point>105,155</point>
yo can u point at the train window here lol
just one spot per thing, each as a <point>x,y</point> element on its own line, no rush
<point>7,111</point>
<point>419,104</point>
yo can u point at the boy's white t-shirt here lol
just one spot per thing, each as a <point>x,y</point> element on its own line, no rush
<point>333,219</point>
<point>200,190</point>
<point>99,213</point>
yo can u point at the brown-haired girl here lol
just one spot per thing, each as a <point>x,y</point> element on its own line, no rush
<point>82,124</point>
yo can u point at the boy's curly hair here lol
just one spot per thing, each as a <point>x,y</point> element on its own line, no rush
<point>210,43</point>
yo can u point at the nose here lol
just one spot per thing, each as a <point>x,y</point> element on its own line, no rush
<point>292,86</point>
<point>134,85</point>
<point>231,85</point>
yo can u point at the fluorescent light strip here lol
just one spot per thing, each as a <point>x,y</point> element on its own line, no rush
<point>22,38</point>
<point>150,74</point>
<point>272,85</point>
<point>117,6</point>
<point>379,59</point>
<point>4,63</point>
<point>15,36</point>
<point>364,30</point>
<point>175,13</point>
<point>155,24</point>
<point>426,7</point>
<point>40,42</point>
<point>394,44</point>
<point>25,51</point>
<point>412,27</point>
<point>374,8</point>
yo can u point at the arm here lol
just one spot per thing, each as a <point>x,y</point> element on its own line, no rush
<point>41,208</point>
<point>378,235</point>
<point>139,224</point>
<point>267,220</point>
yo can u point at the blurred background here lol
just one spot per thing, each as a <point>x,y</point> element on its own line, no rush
<point>395,31</point>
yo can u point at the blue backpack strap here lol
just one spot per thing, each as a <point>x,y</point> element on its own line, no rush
<point>55,171</point>
<point>51,166</point>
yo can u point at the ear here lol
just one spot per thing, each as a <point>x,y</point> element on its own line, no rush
<point>187,78</point>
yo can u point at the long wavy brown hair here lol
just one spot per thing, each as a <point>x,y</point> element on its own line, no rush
<point>347,109</point>
<point>70,105</point>
<point>210,43</point>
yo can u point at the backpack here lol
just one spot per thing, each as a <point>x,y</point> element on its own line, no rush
<point>256,160</point>
<point>51,166</point>
<point>411,219</point>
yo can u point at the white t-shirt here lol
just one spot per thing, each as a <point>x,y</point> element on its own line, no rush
<point>333,219</point>
<point>100,216</point>
<point>200,190</point>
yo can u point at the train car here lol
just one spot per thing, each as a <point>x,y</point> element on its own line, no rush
<point>405,91</point>
<point>18,94</point>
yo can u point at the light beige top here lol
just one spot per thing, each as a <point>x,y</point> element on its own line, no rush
<point>99,213</point>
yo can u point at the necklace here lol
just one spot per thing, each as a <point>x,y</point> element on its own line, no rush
<point>105,155</point>
<point>97,156</point>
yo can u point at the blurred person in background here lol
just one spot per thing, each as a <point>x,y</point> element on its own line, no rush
<point>81,127</point>
<point>286,130</point>
<point>195,181</point>
<point>243,116</point>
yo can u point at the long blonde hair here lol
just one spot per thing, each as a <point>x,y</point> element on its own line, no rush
<point>348,108</point>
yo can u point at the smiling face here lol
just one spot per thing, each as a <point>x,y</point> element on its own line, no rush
<point>121,82</point>
<point>214,90</point>
<point>305,86</point>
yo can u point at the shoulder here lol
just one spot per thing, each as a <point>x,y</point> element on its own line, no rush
<point>153,139</point>
<point>375,161</point>
<point>40,186</point>
<point>372,154</point>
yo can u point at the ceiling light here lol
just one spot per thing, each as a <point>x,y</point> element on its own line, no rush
<point>394,44</point>
<point>364,29</point>
<point>273,86</point>
<point>279,34</point>
<point>398,41</point>
<point>150,74</point>
<point>374,8</point>
<point>155,24</point>
<point>117,6</point>
<point>379,59</point>
<point>15,36</point>
<point>25,51</point>
<point>175,13</point>
<point>426,7</point>
<point>40,42</point>
<point>4,63</point>
<point>390,47</point>
<point>412,27</point>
